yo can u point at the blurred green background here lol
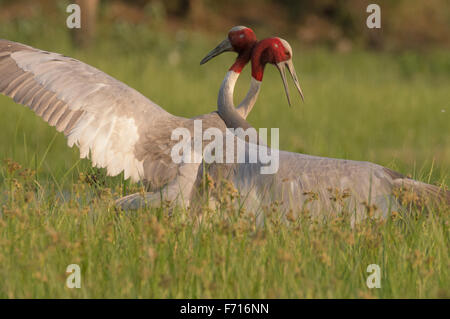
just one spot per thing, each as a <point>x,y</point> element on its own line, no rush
<point>380,95</point>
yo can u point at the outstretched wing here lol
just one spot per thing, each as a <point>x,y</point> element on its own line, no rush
<point>105,118</point>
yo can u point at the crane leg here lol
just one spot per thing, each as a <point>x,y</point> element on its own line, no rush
<point>176,193</point>
<point>140,200</point>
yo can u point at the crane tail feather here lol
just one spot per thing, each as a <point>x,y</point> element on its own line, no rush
<point>422,195</point>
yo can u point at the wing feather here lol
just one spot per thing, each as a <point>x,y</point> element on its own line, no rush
<point>102,116</point>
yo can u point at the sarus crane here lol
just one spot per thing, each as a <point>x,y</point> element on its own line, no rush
<point>119,128</point>
<point>126,132</point>
<point>314,184</point>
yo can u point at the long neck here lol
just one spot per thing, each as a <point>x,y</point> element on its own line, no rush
<point>260,57</point>
<point>235,117</point>
<point>231,116</point>
<point>249,101</point>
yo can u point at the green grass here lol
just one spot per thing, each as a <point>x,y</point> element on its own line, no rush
<point>391,109</point>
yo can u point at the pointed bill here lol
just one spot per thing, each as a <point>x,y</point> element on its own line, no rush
<point>291,70</point>
<point>224,46</point>
<point>290,66</point>
<point>281,67</point>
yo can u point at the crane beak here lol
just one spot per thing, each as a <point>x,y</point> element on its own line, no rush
<point>290,66</point>
<point>224,46</point>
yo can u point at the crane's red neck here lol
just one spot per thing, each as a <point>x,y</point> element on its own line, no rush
<point>241,61</point>
<point>265,51</point>
<point>243,41</point>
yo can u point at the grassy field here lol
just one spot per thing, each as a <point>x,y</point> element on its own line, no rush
<point>391,109</point>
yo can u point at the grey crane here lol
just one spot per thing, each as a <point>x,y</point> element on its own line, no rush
<point>126,132</point>
<point>118,127</point>
<point>317,184</point>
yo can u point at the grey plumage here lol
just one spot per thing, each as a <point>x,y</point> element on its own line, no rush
<point>313,184</point>
<point>122,130</point>
<point>118,127</point>
<point>324,187</point>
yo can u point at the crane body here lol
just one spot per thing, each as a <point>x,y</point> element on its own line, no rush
<point>123,131</point>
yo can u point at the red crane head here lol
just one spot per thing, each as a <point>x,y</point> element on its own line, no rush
<point>240,39</point>
<point>278,52</point>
